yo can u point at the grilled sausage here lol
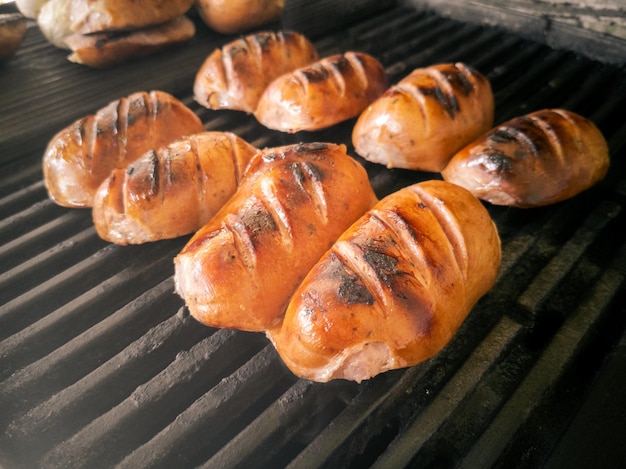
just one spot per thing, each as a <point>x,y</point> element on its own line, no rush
<point>12,31</point>
<point>239,270</point>
<point>100,50</point>
<point>93,16</point>
<point>172,191</point>
<point>425,118</point>
<point>394,288</point>
<point>235,76</point>
<point>236,16</point>
<point>323,94</point>
<point>534,160</point>
<point>82,155</point>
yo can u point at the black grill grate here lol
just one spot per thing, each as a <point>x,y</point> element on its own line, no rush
<point>100,365</point>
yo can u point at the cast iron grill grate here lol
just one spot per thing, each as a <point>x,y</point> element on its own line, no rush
<point>100,364</point>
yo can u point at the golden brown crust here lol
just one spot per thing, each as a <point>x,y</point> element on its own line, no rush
<point>173,191</point>
<point>235,76</point>
<point>320,95</point>
<point>239,270</point>
<point>534,160</point>
<point>94,16</point>
<point>425,118</point>
<point>82,155</point>
<point>236,16</point>
<point>394,288</point>
<point>100,50</point>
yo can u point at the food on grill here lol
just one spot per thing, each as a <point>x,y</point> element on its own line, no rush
<point>93,16</point>
<point>394,288</point>
<point>322,94</point>
<point>425,118</point>
<point>235,16</point>
<point>235,76</point>
<point>84,154</point>
<point>172,191</point>
<point>104,49</point>
<point>533,160</point>
<point>240,269</point>
<point>105,32</point>
<point>55,23</point>
<point>30,8</point>
<point>12,31</point>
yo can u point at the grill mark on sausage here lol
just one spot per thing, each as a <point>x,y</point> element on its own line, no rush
<point>406,241</point>
<point>456,241</point>
<point>353,287</point>
<point>415,94</point>
<point>443,92</point>
<point>155,179</point>
<point>461,77</point>
<point>310,180</point>
<point>514,134</point>
<point>552,136</point>
<point>359,68</point>
<point>276,212</point>
<point>242,240</point>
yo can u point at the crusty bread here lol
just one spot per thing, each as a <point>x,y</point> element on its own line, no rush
<point>534,160</point>
<point>81,156</point>
<point>395,287</point>
<point>322,94</point>
<point>235,76</point>
<point>425,118</point>
<point>240,269</point>
<point>100,50</point>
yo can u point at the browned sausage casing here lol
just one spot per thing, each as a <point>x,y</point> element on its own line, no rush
<point>83,154</point>
<point>172,191</point>
<point>534,160</point>
<point>394,288</point>
<point>92,16</point>
<point>239,270</point>
<point>235,76</point>
<point>100,50</point>
<point>425,118</point>
<point>323,94</point>
<point>235,16</point>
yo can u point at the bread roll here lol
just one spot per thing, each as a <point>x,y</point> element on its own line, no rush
<point>240,269</point>
<point>12,31</point>
<point>395,287</point>
<point>323,94</point>
<point>100,50</point>
<point>236,16</point>
<point>94,16</point>
<point>235,76</point>
<point>173,191</point>
<point>425,118</point>
<point>82,155</point>
<point>534,160</point>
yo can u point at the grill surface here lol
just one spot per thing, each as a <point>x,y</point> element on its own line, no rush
<point>100,365</point>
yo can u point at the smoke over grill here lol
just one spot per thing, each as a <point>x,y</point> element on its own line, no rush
<point>101,365</point>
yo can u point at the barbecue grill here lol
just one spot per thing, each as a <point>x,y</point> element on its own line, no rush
<point>102,366</point>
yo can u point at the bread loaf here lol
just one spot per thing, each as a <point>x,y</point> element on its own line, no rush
<point>394,288</point>
<point>534,160</point>
<point>235,76</point>
<point>81,156</point>
<point>172,191</point>
<point>425,118</point>
<point>240,269</point>
<point>323,94</point>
